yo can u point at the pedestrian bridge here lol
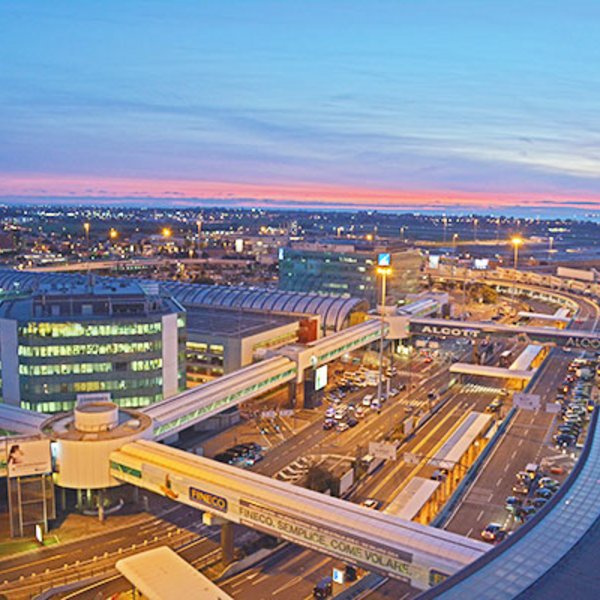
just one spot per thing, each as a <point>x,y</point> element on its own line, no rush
<point>375,541</point>
<point>566,338</point>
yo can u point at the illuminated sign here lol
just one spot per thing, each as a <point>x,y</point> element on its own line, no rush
<point>208,499</point>
<point>449,331</point>
<point>321,378</point>
<point>434,261</point>
<point>577,342</point>
<point>280,254</point>
<point>384,259</point>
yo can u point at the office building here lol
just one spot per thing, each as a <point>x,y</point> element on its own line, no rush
<point>348,269</point>
<point>66,340</point>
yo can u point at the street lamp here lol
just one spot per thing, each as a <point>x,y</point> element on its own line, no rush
<point>454,239</point>
<point>113,234</point>
<point>86,228</point>
<point>516,242</point>
<point>167,233</point>
<point>384,269</point>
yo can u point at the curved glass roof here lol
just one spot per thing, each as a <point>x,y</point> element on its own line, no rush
<point>333,310</point>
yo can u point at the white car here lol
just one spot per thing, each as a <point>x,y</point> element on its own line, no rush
<point>366,401</point>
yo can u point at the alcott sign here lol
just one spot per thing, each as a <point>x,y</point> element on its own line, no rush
<point>446,331</point>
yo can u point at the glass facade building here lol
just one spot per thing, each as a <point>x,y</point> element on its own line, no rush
<point>347,270</point>
<point>57,344</point>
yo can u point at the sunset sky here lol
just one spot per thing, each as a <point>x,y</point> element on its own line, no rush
<point>398,104</point>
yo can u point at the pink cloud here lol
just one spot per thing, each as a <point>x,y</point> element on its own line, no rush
<point>302,194</point>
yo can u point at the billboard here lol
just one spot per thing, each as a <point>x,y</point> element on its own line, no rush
<point>384,259</point>
<point>320,377</point>
<point>434,261</point>
<point>28,457</point>
<point>481,264</point>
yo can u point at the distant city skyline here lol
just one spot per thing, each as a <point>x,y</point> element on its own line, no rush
<point>428,106</point>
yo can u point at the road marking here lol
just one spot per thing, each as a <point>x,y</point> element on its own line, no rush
<point>506,467</point>
<point>469,532</point>
<point>499,482</point>
<point>520,443</point>
<point>260,579</point>
<point>514,453</point>
<point>478,518</point>
<point>401,463</point>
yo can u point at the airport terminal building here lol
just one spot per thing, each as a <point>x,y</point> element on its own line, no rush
<point>64,341</point>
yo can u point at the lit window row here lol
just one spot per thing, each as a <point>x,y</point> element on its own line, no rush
<point>61,330</point>
<point>146,365</point>
<point>92,386</point>
<point>90,349</point>
<point>65,369</point>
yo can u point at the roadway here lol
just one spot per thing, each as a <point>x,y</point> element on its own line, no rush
<point>527,440</point>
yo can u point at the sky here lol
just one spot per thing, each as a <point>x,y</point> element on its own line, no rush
<point>399,104</point>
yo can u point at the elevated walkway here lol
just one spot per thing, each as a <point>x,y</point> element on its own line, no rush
<point>567,338</point>
<point>20,420</point>
<point>183,410</point>
<point>518,567</point>
<point>367,538</point>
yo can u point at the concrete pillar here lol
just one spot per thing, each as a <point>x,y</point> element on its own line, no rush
<point>79,499</point>
<point>63,499</point>
<point>226,534</point>
<point>227,542</point>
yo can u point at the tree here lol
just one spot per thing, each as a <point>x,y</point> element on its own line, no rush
<point>318,479</point>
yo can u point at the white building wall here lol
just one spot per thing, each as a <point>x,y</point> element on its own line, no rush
<point>170,356</point>
<point>9,344</point>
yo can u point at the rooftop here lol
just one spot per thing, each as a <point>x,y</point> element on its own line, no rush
<point>232,322</point>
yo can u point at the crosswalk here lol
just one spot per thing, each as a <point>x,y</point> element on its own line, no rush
<point>476,388</point>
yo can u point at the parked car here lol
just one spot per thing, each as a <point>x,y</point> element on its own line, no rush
<point>493,533</point>
<point>543,492</point>
<point>512,504</point>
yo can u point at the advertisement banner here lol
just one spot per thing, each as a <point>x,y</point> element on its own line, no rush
<point>323,539</point>
<point>28,457</point>
<point>320,377</point>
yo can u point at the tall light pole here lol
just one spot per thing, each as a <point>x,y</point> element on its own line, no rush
<point>445,222</point>
<point>384,269</point>
<point>199,225</point>
<point>454,240</point>
<point>86,228</point>
<point>475,222</point>
<point>550,244</point>
<point>516,242</point>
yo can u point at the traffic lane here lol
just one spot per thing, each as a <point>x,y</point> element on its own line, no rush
<point>485,501</point>
<point>426,443</point>
<point>114,584</point>
<point>292,573</point>
<point>523,443</point>
<point>54,557</point>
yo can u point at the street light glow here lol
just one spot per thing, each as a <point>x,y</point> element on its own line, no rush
<point>517,241</point>
<point>113,234</point>
<point>167,232</point>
